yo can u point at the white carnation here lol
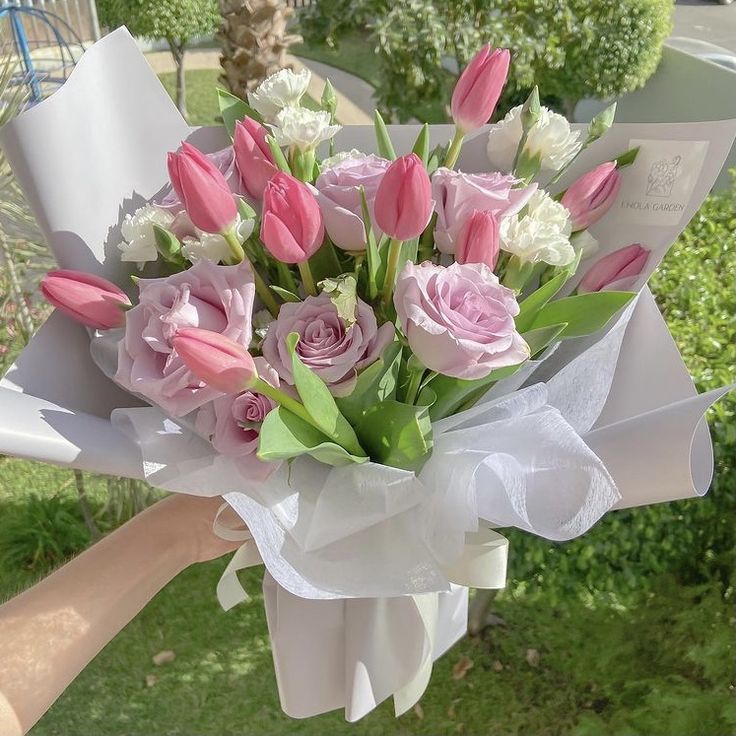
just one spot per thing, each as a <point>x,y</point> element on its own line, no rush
<point>280,90</point>
<point>540,232</point>
<point>305,129</point>
<point>551,137</point>
<point>213,246</point>
<point>341,156</point>
<point>139,240</point>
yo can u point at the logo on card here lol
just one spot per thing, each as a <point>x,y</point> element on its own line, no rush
<point>662,176</point>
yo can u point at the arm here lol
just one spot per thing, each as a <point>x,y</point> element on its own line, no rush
<point>49,633</point>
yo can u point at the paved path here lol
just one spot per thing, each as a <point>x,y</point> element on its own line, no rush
<point>354,101</point>
<point>706,20</point>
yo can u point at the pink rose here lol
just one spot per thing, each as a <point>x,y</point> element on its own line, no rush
<point>339,197</point>
<point>218,298</point>
<point>457,195</point>
<point>334,353</point>
<point>231,423</point>
<point>459,320</point>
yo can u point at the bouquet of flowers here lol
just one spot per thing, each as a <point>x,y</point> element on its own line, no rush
<point>378,359</point>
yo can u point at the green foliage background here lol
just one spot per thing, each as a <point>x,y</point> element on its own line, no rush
<point>571,48</point>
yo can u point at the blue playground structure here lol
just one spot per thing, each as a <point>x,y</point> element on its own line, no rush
<point>44,44</point>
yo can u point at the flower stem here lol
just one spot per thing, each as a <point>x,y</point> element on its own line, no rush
<point>307,278</point>
<point>414,383</point>
<point>453,152</point>
<point>283,399</point>
<point>262,289</point>
<point>394,251</point>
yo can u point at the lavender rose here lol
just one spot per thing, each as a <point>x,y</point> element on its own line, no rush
<point>338,195</point>
<point>218,298</point>
<point>457,195</point>
<point>231,424</point>
<point>459,320</point>
<point>335,353</point>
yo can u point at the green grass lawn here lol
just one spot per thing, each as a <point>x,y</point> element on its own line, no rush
<point>356,54</point>
<point>201,87</point>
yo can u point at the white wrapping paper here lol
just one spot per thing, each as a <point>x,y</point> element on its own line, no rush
<point>369,560</point>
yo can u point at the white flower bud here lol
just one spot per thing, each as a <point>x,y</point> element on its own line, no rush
<point>539,233</point>
<point>550,137</point>
<point>280,90</point>
<point>139,240</point>
<point>305,129</point>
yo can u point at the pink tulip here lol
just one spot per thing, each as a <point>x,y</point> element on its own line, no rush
<point>616,271</point>
<point>292,227</point>
<point>253,156</point>
<point>202,189</point>
<point>478,241</point>
<point>480,85</point>
<point>86,298</point>
<point>591,196</point>
<point>215,359</point>
<point>403,202</point>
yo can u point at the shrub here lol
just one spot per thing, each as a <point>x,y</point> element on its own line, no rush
<point>571,48</point>
<point>694,540</point>
<point>39,533</point>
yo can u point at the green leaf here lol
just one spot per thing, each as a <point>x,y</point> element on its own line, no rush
<point>245,211</point>
<point>285,294</point>
<point>319,402</point>
<point>168,245</point>
<point>284,436</point>
<point>232,109</point>
<point>325,264</point>
<point>451,393</point>
<point>385,147</point>
<point>436,157</point>
<point>396,434</point>
<point>421,146</point>
<point>372,256</point>
<point>539,339</point>
<point>343,292</point>
<point>628,158</point>
<point>278,155</point>
<point>583,313</point>
<point>529,308</point>
<point>375,383</point>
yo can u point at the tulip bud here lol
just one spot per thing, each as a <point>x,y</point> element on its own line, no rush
<point>403,203</point>
<point>478,240</point>
<point>291,227</point>
<point>216,360</point>
<point>253,157</point>
<point>202,189</point>
<point>86,298</point>
<point>616,271</point>
<point>476,93</point>
<point>591,196</point>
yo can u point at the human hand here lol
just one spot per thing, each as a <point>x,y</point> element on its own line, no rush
<point>187,522</point>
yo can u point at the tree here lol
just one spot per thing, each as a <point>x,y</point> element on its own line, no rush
<point>176,21</point>
<point>254,39</point>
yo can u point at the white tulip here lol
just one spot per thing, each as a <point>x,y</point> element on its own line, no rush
<point>280,90</point>
<point>551,138</point>
<point>305,129</point>
<point>139,240</point>
<point>539,233</point>
<point>584,243</point>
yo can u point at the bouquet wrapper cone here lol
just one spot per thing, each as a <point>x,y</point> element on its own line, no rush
<point>96,150</point>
